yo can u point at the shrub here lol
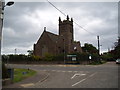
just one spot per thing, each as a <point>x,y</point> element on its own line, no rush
<point>59,57</point>
<point>48,57</point>
<point>35,57</point>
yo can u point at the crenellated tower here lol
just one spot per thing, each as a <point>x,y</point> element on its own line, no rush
<point>66,33</point>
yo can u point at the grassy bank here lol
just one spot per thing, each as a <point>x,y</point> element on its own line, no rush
<point>20,74</point>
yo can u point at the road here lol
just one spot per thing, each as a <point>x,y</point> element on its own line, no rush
<point>76,76</point>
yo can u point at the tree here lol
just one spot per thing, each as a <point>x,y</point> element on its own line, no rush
<point>107,56</point>
<point>116,51</point>
<point>30,52</point>
<point>89,48</point>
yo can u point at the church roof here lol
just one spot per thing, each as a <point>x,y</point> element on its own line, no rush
<point>53,37</point>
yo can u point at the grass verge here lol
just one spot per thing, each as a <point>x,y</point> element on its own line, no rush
<point>20,74</point>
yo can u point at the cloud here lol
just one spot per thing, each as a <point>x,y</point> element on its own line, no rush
<point>24,23</point>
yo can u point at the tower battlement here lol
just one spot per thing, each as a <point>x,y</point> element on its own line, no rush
<point>66,21</point>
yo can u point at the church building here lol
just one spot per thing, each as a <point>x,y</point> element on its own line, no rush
<point>50,43</point>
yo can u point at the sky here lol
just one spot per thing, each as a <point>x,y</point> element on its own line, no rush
<point>24,22</point>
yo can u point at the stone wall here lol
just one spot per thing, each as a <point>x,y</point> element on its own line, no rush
<point>44,45</point>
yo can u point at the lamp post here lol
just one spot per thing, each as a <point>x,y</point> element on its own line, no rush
<point>2,6</point>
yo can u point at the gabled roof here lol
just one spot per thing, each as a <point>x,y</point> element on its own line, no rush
<point>53,37</point>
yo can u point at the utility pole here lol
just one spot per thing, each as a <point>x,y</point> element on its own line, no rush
<point>108,49</point>
<point>98,45</point>
<point>2,6</point>
<point>1,25</point>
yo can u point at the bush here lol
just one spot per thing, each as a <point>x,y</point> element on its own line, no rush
<point>19,58</point>
<point>107,56</point>
<point>59,57</point>
<point>81,57</point>
<point>36,57</point>
<point>48,57</point>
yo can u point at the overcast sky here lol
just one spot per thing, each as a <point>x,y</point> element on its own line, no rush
<point>24,22</point>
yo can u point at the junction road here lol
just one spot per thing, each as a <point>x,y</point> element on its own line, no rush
<point>76,76</point>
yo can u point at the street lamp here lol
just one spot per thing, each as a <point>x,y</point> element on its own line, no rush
<point>10,3</point>
<point>2,6</point>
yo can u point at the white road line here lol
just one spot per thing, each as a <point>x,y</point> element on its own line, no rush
<point>73,76</point>
<point>75,71</point>
<point>58,71</point>
<point>92,74</point>
<point>64,71</point>
<point>69,71</point>
<point>84,79</point>
<point>79,82</point>
<point>77,74</point>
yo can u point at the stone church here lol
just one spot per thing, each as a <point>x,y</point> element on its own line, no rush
<point>57,44</point>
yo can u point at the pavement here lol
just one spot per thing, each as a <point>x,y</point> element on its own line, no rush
<point>31,81</point>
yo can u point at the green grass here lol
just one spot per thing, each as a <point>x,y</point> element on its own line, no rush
<point>19,76</point>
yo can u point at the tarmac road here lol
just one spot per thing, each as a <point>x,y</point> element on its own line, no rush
<point>76,76</point>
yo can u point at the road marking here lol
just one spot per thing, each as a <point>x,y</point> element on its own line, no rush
<point>58,70</point>
<point>77,74</point>
<point>79,82</point>
<point>27,85</point>
<point>69,71</point>
<point>65,71</point>
<point>84,79</point>
<point>92,74</point>
<point>75,71</point>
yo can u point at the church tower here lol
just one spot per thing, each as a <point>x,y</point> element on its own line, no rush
<point>66,33</point>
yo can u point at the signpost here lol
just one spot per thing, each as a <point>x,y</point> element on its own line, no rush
<point>72,59</point>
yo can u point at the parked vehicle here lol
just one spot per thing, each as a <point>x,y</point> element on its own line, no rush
<point>118,61</point>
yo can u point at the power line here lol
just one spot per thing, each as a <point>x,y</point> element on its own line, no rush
<point>83,28</point>
<point>56,8</point>
<point>74,21</point>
